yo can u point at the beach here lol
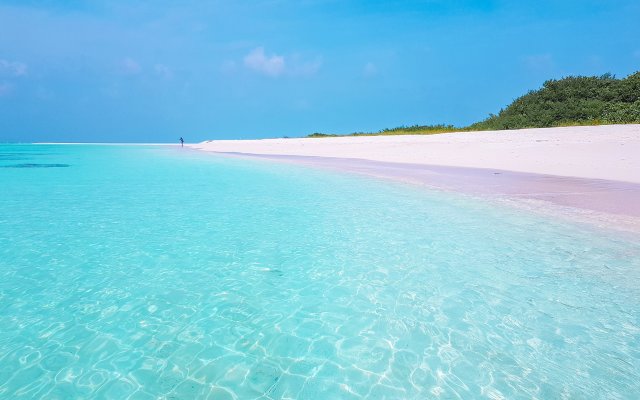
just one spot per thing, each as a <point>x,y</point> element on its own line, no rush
<point>594,169</point>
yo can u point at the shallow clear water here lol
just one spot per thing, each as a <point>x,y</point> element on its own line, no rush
<point>146,272</point>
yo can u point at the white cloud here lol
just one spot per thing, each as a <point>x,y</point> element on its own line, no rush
<point>12,68</point>
<point>5,88</point>
<point>258,61</point>
<point>163,71</point>
<point>275,65</point>
<point>129,66</point>
<point>370,70</point>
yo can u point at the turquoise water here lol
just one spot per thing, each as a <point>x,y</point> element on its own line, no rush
<point>149,272</point>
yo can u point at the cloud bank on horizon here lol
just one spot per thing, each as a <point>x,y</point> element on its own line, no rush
<point>110,70</point>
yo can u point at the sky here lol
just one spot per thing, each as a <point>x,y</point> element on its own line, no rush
<point>155,70</point>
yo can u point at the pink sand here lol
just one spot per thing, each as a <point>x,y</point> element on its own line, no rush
<point>589,168</point>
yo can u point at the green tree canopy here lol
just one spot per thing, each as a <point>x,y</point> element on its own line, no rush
<point>575,100</point>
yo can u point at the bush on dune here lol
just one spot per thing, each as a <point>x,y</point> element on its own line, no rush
<point>574,100</point>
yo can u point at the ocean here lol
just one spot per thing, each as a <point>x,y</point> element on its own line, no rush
<point>144,272</point>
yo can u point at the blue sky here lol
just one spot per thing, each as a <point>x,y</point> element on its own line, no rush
<point>155,70</point>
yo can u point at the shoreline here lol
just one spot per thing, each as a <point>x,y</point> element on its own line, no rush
<point>525,183</point>
<point>594,152</point>
<point>596,202</point>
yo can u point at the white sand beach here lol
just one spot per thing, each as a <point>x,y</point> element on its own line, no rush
<point>595,169</point>
<point>609,152</point>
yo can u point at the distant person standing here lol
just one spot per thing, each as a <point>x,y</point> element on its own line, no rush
<point>181,142</point>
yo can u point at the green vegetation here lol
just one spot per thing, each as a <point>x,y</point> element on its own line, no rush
<point>322,135</point>
<point>401,130</point>
<point>419,130</point>
<point>575,100</point>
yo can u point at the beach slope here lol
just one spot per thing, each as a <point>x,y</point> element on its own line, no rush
<point>595,152</point>
<point>595,169</point>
